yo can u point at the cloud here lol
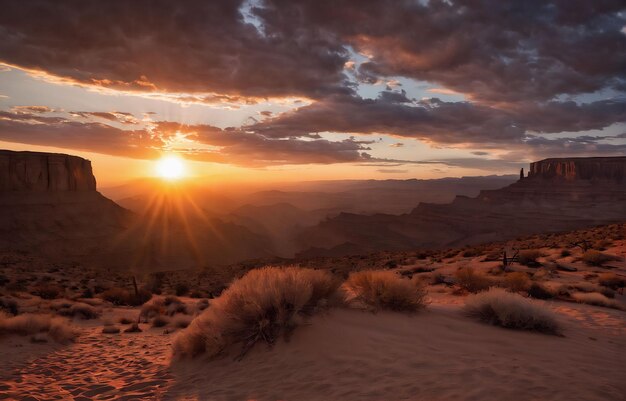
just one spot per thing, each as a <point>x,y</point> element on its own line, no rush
<point>206,143</point>
<point>180,47</point>
<point>35,129</point>
<point>392,171</point>
<point>520,65</point>
<point>115,116</point>
<point>441,122</point>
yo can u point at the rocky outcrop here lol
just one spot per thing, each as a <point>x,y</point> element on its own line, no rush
<point>609,169</point>
<point>44,172</point>
<point>558,195</point>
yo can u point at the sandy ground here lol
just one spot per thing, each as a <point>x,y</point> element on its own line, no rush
<point>437,354</point>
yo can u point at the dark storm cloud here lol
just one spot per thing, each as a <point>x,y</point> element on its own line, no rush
<point>442,122</point>
<point>88,136</point>
<point>231,146</point>
<point>190,46</point>
<point>514,61</point>
<point>251,149</point>
<point>115,116</point>
<point>491,49</point>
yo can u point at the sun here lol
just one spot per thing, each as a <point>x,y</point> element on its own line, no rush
<point>170,168</point>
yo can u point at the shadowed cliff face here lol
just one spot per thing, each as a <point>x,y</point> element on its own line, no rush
<point>44,172</point>
<point>608,169</point>
<point>558,195</point>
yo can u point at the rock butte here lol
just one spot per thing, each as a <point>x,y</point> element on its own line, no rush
<point>44,172</point>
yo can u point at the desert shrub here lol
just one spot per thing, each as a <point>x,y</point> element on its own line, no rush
<point>110,329</point>
<point>125,320</point>
<point>181,289</point>
<point>133,328</point>
<point>384,290</point>
<point>259,307</point>
<point>472,281</point>
<point>9,305</point>
<point>47,291</point>
<point>160,321</point>
<point>594,298</point>
<point>84,311</point>
<point>472,252</point>
<point>30,324</point>
<point>87,293</point>
<point>517,281</point>
<point>539,291</point>
<point>565,253</point>
<point>529,257</point>
<point>512,311</point>
<point>597,258</point>
<point>121,296</point>
<point>612,280</point>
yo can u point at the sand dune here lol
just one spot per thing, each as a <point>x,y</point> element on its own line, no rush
<point>434,355</point>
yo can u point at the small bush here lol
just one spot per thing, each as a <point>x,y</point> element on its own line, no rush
<point>529,257</point>
<point>594,298</point>
<point>512,311</point>
<point>9,305</point>
<point>565,253</point>
<point>160,321</point>
<point>48,291</point>
<point>539,291</point>
<point>597,258</point>
<point>612,280</point>
<point>29,324</point>
<point>134,328</point>
<point>121,296</point>
<point>470,280</point>
<point>181,289</point>
<point>384,290</point>
<point>517,281</point>
<point>84,311</point>
<point>259,307</point>
<point>110,330</point>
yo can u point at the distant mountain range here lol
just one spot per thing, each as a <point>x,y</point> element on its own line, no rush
<point>49,205</point>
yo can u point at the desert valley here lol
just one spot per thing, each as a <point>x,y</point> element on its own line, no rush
<point>267,200</point>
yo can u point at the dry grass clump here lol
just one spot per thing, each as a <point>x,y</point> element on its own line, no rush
<point>529,257</point>
<point>517,281</point>
<point>259,307</point>
<point>48,291</point>
<point>379,289</point>
<point>110,329</point>
<point>595,298</point>
<point>26,324</point>
<point>512,311</point>
<point>468,279</point>
<point>160,321</point>
<point>597,258</point>
<point>9,305</point>
<point>121,296</point>
<point>80,310</point>
<point>612,280</point>
<point>539,291</point>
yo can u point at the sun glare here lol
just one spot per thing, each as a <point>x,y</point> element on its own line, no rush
<point>170,168</point>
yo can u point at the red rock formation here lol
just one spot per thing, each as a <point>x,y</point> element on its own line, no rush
<point>44,172</point>
<point>583,168</point>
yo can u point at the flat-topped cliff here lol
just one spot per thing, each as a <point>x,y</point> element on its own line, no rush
<point>44,172</point>
<point>610,169</point>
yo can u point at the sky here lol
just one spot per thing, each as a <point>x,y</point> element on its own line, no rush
<point>289,90</point>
